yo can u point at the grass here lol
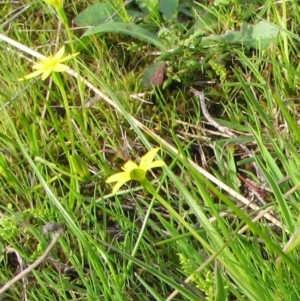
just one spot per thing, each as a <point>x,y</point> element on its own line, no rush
<point>197,230</point>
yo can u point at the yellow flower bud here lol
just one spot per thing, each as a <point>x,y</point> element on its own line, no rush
<point>57,4</point>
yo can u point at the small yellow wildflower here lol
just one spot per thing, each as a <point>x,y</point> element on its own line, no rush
<point>57,4</point>
<point>132,171</point>
<point>50,64</point>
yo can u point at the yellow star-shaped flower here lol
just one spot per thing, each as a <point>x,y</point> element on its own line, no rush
<point>50,64</point>
<point>132,171</point>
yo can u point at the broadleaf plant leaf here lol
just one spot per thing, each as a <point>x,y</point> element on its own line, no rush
<point>154,75</point>
<point>128,29</point>
<point>95,14</point>
<point>168,8</point>
<point>259,36</point>
<point>147,6</point>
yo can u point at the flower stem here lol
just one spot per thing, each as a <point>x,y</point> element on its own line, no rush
<point>138,242</point>
<point>57,79</point>
<point>62,16</point>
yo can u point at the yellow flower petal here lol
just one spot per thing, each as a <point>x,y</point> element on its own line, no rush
<point>66,58</point>
<point>31,75</point>
<point>61,68</point>
<point>60,53</point>
<point>118,177</point>
<point>147,159</point>
<point>118,185</point>
<point>46,74</point>
<point>38,66</point>
<point>129,166</point>
<point>156,164</point>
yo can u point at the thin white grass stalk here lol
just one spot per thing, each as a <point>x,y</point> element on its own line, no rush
<point>168,146</point>
<point>256,218</point>
<point>33,265</point>
<point>21,46</point>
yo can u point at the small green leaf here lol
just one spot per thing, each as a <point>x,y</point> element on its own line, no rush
<point>168,8</point>
<point>258,36</point>
<point>207,23</point>
<point>147,6</point>
<point>95,14</point>
<point>167,83</point>
<point>128,29</point>
<point>154,75</point>
<point>80,166</point>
